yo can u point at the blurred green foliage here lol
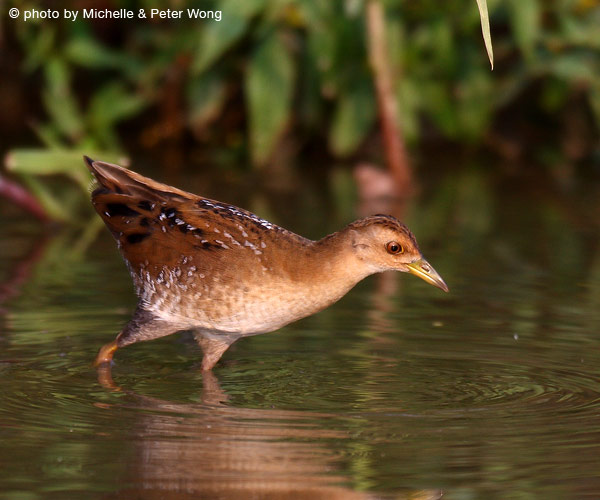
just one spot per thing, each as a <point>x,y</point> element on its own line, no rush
<point>301,65</point>
<point>35,167</point>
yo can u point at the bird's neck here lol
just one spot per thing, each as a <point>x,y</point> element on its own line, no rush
<point>330,267</point>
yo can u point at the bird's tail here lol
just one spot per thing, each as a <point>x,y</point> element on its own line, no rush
<point>118,180</point>
<point>127,201</point>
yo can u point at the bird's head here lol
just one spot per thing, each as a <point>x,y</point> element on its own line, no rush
<point>383,243</point>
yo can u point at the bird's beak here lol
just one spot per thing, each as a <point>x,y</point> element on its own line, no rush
<point>425,271</point>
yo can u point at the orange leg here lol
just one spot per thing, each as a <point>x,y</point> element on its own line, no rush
<point>105,355</point>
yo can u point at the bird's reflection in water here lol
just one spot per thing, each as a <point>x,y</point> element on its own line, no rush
<point>212,450</point>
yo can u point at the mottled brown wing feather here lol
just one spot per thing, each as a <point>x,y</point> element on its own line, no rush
<point>156,225</point>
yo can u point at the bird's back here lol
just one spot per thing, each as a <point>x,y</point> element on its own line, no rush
<point>197,260</point>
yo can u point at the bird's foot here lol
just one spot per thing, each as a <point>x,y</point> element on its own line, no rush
<point>106,353</point>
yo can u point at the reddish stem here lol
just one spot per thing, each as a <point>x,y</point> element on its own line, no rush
<point>379,60</point>
<point>18,195</point>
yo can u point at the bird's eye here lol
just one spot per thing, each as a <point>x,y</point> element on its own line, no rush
<point>394,248</point>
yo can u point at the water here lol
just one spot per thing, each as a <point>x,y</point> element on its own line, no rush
<point>397,391</point>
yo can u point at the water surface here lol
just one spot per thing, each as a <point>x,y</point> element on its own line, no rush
<point>397,391</point>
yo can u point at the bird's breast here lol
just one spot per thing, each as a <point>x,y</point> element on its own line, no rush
<point>264,299</point>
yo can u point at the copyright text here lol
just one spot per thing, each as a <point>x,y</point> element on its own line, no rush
<point>73,15</point>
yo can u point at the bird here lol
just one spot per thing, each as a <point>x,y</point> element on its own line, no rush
<point>225,273</point>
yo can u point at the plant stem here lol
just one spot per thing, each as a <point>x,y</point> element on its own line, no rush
<point>17,194</point>
<point>393,140</point>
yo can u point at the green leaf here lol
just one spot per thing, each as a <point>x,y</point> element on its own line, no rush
<point>439,107</point>
<point>269,86</point>
<point>89,53</point>
<point>322,48</point>
<point>573,67</point>
<point>332,43</point>
<point>53,162</point>
<point>29,163</point>
<point>525,21</point>
<point>445,50</point>
<point>580,30</point>
<point>113,103</point>
<point>39,48</point>
<point>206,96</point>
<point>65,115</point>
<point>58,76</point>
<point>52,205</point>
<point>308,104</point>
<point>475,104</point>
<point>218,36</point>
<point>59,100</point>
<point>485,29</point>
<point>353,119</point>
<point>48,134</point>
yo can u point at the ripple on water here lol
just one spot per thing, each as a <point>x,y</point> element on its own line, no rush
<point>54,397</point>
<point>462,387</point>
<point>528,391</point>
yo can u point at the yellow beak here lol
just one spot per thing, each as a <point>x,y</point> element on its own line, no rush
<point>425,271</point>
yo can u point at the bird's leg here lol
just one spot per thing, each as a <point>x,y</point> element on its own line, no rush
<point>212,348</point>
<point>105,354</point>
<point>142,326</point>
